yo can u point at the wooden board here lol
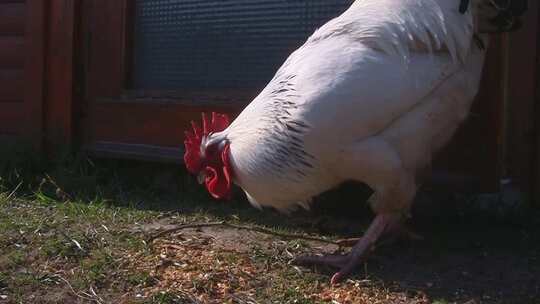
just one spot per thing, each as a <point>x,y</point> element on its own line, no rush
<point>22,54</point>
<point>12,118</point>
<point>12,18</point>
<point>11,51</point>
<point>106,59</point>
<point>521,101</point>
<point>34,70</point>
<point>11,85</point>
<point>158,124</point>
<point>58,105</point>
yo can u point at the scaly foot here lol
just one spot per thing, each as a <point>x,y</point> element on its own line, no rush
<point>383,223</point>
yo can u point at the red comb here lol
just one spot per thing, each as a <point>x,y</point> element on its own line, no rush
<point>192,142</point>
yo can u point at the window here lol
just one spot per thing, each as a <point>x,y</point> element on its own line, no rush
<point>220,44</point>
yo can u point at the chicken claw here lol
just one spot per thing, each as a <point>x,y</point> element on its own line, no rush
<point>382,223</point>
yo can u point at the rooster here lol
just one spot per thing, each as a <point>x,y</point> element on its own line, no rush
<point>371,96</point>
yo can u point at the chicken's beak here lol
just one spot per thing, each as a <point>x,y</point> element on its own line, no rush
<point>201,177</point>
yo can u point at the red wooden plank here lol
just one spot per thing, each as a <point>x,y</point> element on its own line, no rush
<point>521,103</point>
<point>12,18</point>
<point>12,118</point>
<point>106,57</point>
<point>34,70</point>
<point>136,152</point>
<point>11,86</point>
<point>142,123</point>
<point>59,96</point>
<point>11,52</point>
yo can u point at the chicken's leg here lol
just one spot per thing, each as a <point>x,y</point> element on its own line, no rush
<point>399,232</point>
<point>380,165</point>
<point>347,263</point>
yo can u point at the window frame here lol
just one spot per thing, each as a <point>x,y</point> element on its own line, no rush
<point>118,20</point>
<point>109,101</point>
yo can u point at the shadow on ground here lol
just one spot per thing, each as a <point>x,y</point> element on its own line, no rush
<point>468,255</point>
<point>466,259</point>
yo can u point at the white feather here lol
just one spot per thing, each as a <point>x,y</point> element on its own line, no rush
<point>383,69</point>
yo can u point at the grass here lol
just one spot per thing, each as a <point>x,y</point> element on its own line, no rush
<point>74,230</point>
<point>46,242</point>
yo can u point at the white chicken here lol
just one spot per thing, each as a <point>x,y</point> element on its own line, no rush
<point>371,96</point>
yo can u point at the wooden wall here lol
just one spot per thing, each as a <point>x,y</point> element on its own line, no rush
<point>21,68</point>
<point>36,71</point>
<point>59,79</point>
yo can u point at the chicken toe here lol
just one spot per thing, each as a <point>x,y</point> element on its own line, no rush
<point>382,223</point>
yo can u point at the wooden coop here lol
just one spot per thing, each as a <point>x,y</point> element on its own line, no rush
<point>123,78</point>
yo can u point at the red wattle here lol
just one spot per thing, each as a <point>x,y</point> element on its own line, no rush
<point>219,180</point>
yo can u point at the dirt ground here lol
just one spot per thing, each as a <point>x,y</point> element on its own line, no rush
<point>461,260</point>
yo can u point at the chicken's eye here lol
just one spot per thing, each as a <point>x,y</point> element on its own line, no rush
<point>211,150</point>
